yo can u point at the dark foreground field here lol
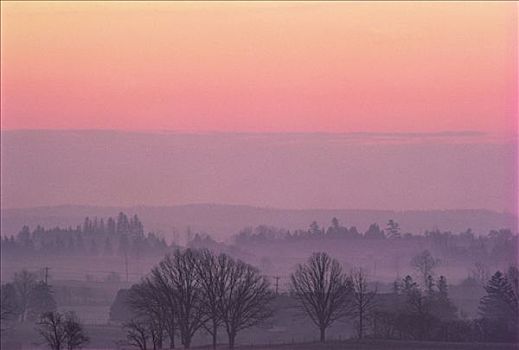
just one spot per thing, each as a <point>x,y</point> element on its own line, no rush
<point>383,345</point>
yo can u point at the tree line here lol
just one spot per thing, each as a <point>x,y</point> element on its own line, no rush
<point>265,233</point>
<point>413,311</point>
<point>197,290</point>
<point>497,244</point>
<point>194,290</point>
<point>120,236</point>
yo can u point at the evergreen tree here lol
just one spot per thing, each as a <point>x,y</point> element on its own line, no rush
<point>393,229</point>
<point>353,232</point>
<point>499,310</point>
<point>374,232</point>
<point>512,275</point>
<point>24,236</point>
<point>123,225</point>
<point>442,307</point>
<point>442,287</point>
<point>314,230</point>
<point>500,303</point>
<point>87,226</point>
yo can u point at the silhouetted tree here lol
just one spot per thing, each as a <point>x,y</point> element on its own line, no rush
<point>24,283</point>
<point>175,276</point>
<point>500,307</point>
<point>9,308</point>
<point>424,263</point>
<point>374,232</point>
<point>146,300</point>
<point>110,226</point>
<point>512,275</point>
<point>322,290</point>
<point>123,225</point>
<point>211,273</point>
<point>363,300</point>
<point>40,301</point>
<point>75,336</point>
<point>138,333</point>
<point>52,328</point>
<point>393,229</point>
<point>314,230</point>
<point>245,297</point>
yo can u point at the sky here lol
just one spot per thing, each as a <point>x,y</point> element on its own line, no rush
<point>417,102</point>
<point>260,66</point>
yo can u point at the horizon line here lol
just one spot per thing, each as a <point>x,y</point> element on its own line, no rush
<point>135,206</point>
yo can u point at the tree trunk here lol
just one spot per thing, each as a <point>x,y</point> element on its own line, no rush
<point>215,329</point>
<point>159,339</point>
<point>171,334</point>
<point>232,337</point>
<point>361,325</point>
<point>187,342</point>
<point>322,338</point>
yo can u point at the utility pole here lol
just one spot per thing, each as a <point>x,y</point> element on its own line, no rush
<point>277,284</point>
<point>46,275</point>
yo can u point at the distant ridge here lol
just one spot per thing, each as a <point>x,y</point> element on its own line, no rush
<point>224,220</point>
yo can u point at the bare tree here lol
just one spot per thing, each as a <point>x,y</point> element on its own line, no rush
<point>424,263</point>
<point>210,271</point>
<point>8,306</point>
<point>322,290</point>
<point>147,301</point>
<point>61,331</point>
<point>176,277</point>
<point>24,283</point>
<point>75,336</point>
<point>244,297</point>
<point>52,328</point>
<point>155,299</point>
<point>137,333</point>
<point>362,301</point>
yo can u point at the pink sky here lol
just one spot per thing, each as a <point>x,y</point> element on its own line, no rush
<point>335,67</point>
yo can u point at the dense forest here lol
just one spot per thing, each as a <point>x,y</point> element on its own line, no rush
<point>119,236</point>
<point>126,235</point>
<point>498,244</point>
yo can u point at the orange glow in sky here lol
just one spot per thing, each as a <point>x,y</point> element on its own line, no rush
<point>260,66</point>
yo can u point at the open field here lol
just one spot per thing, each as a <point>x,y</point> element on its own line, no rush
<point>383,345</point>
